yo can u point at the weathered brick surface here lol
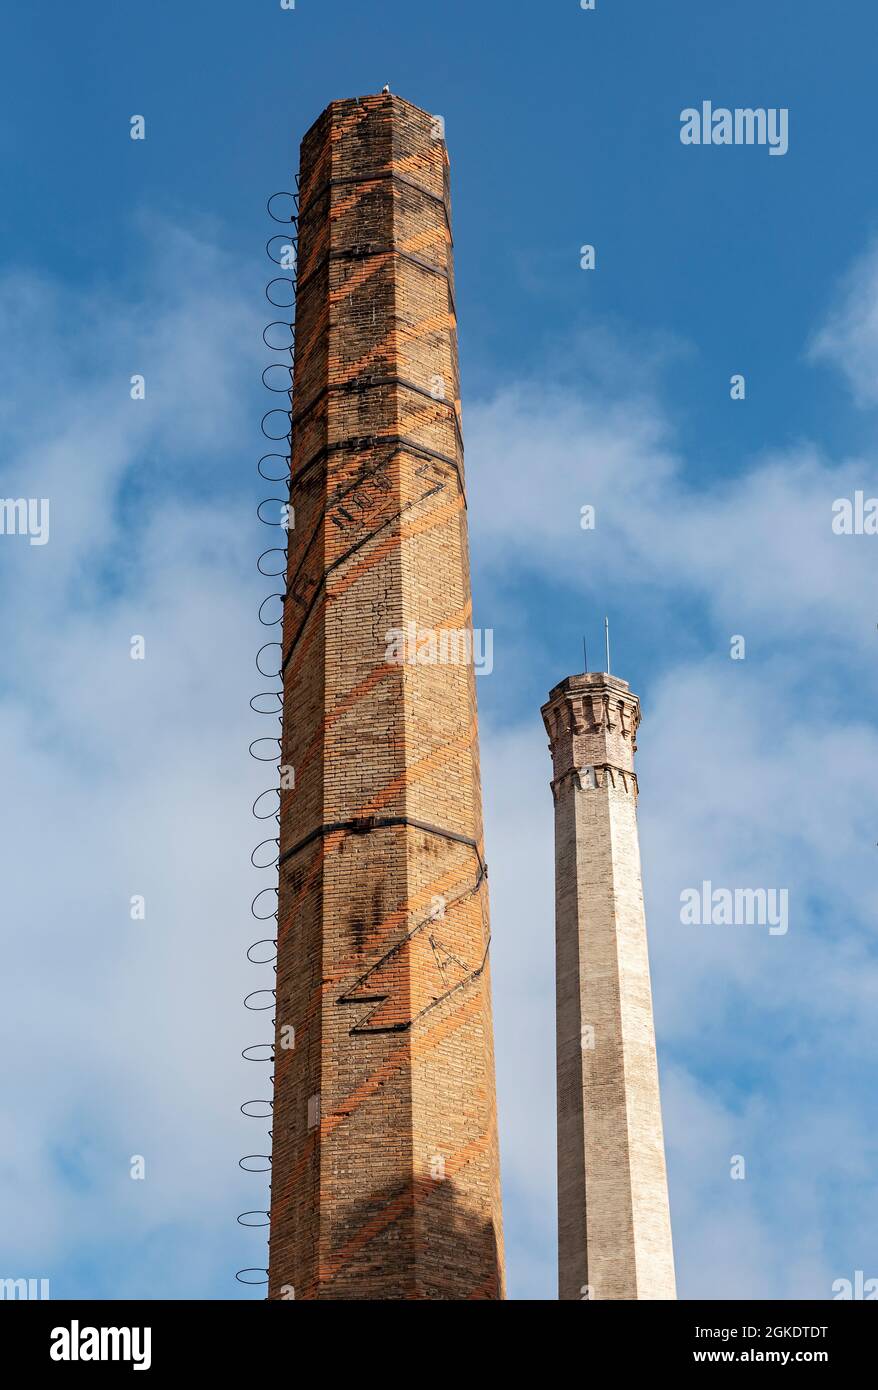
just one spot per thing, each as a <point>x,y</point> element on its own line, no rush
<point>395,1193</point>
<point>614,1227</point>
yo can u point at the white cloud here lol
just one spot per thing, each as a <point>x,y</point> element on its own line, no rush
<point>131,777</point>
<point>755,550</point>
<point>849,338</point>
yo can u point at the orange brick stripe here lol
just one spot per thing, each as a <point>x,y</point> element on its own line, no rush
<point>415,771</point>
<point>375,468</point>
<point>365,688</point>
<point>364,272</point>
<point>377,938</point>
<point>405,333</point>
<point>440,886</point>
<point>421,241</point>
<point>321,243</point>
<point>420,1190</point>
<point>331,842</point>
<point>358,694</point>
<point>436,517</point>
<point>412,167</point>
<point>430,1037</point>
<point>333,838</point>
<point>354,697</point>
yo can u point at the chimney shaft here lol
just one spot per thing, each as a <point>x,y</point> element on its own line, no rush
<point>614,1228</point>
<point>385,1172</point>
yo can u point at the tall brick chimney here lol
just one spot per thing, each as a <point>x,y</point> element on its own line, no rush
<point>614,1225</point>
<point>385,1170</point>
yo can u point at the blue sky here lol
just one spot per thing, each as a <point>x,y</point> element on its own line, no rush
<point>608,387</point>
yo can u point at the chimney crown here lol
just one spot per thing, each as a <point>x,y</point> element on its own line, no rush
<point>592,721</point>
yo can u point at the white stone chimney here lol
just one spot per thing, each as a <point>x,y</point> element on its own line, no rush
<point>614,1225</point>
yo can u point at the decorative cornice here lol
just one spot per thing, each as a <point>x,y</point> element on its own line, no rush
<point>595,711</point>
<point>596,776</point>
